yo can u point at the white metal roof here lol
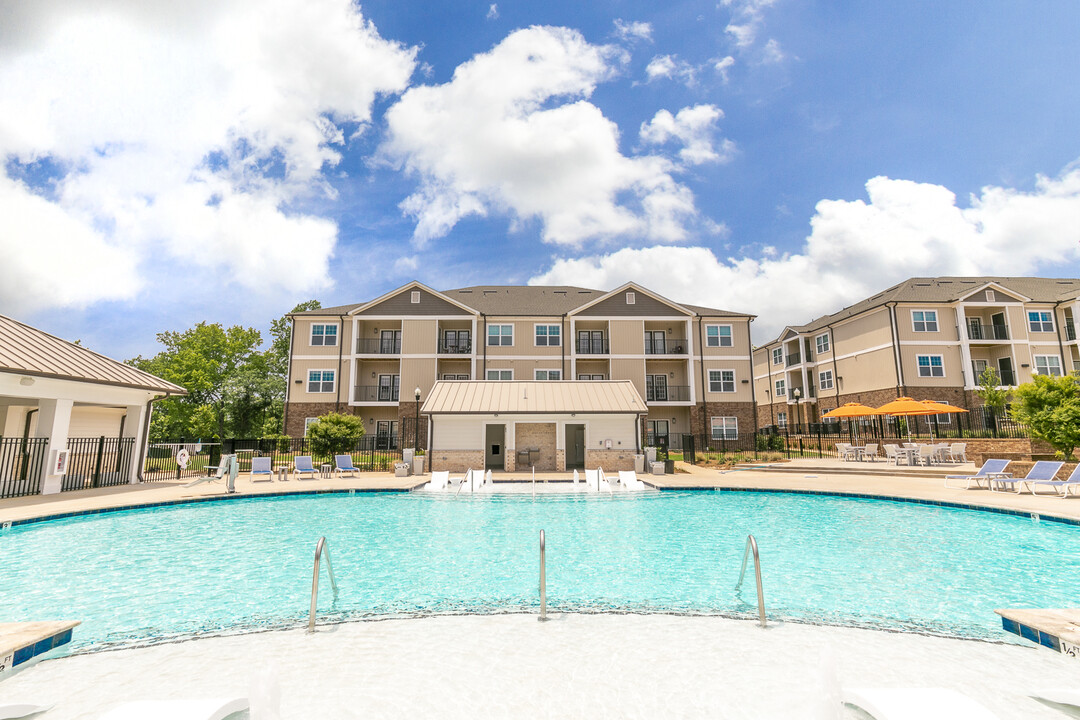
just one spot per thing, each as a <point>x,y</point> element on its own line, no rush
<point>533,397</point>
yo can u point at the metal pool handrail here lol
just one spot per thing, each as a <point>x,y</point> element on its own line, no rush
<point>320,548</point>
<point>751,545</point>
<point>543,581</point>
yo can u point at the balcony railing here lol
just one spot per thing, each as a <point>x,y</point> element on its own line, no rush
<point>459,348</point>
<point>375,393</point>
<point>378,346</point>
<point>592,346</point>
<point>665,346</point>
<point>669,393</point>
<point>793,359</point>
<point>978,331</point>
<point>1070,329</point>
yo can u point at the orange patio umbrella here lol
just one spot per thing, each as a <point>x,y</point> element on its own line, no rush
<point>851,410</point>
<point>907,406</point>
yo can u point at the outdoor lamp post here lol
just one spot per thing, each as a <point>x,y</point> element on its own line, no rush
<point>797,393</point>
<point>416,430</point>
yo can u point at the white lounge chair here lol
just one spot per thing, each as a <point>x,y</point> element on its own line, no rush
<point>629,480</point>
<point>344,464</point>
<point>915,704</point>
<point>219,471</point>
<point>209,709</point>
<point>302,465</point>
<point>10,711</point>
<point>1059,698</point>
<point>439,480</point>
<point>592,479</point>
<point>260,467</point>
<point>577,478</point>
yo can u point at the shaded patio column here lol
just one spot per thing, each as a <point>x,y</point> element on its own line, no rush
<point>54,420</point>
<point>133,428</point>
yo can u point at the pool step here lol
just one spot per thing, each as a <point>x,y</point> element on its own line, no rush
<point>1057,629</point>
<point>21,642</point>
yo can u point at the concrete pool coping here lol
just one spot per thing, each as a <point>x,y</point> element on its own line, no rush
<point>810,476</point>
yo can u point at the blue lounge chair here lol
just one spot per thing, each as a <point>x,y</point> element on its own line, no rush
<point>990,469</point>
<point>302,466</point>
<point>1042,471</point>
<point>260,466</point>
<point>1062,486</point>
<point>344,464</point>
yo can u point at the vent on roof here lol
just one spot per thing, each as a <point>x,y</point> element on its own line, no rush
<point>990,296</point>
<point>465,292</point>
<point>415,297</point>
<point>560,292</point>
<point>923,284</point>
<point>630,298</point>
<point>584,292</point>
<point>490,292</point>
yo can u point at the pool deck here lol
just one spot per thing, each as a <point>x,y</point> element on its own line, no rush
<point>810,475</point>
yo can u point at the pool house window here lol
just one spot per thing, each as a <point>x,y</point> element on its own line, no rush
<point>825,380</point>
<point>931,365</point>
<point>324,334</point>
<point>781,388</point>
<point>548,336</point>
<point>778,356</point>
<point>320,381</point>
<point>717,336</point>
<point>822,342</point>
<point>725,428</point>
<point>1048,365</point>
<point>500,335</point>
<point>1040,322</point>
<point>721,381</point>
<point>500,374</point>
<point>924,320</point>
<point>547,375</point>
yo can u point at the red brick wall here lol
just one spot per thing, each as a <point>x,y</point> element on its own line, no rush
<point>744,411</point>
<point>297,412</point>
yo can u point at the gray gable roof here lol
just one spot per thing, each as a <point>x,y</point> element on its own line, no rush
<point>28,351</point>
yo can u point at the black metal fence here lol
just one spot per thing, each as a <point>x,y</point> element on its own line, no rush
<point>21,465</point>
<point>980,423</point>
<point>98,462</point>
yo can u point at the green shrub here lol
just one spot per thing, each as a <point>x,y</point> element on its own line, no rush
<point>335,433</point>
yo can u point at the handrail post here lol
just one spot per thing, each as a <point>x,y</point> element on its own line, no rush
<point>543,581</point>
<point>320,548</point>
<point>751,546</point>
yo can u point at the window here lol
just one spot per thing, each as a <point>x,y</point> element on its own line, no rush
<point>390,342</point>
<point>778,356</point>
<point>587,376</point>
<point>630,298</point>
<point>307,424</point>
<point>979,367</point>
<point>500,374</point>
<point>590,342</point>
<point>324,334</point>
<point>822,342</point>
<point>924,320</point>
<point>944,418</point>
<point>500,334</point>
<point>1040,322</point>
<point>656,388</point>
<point>414,297</point>
<point>456,341</point>
<point>725,428</point>
<point>781,418</point>
<point>386,435</point>
<point>320,381</point>
<point>458,376</point>
<point>655,342</point>
<point>548,336</point>
<point>825,381</point>
<point>389,385</point>
<point>930,365</point>
<point>656,432</point>
<point>717,336</point>
<point>1048,365</point>
<point>548,375</point>
<point>721,381</point>
<point>781,388</point>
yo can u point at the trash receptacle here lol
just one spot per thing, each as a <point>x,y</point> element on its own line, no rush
<point>650,455</point>
<point>407,455</point>
<point>418,465</point>
<point>657,468</point>
<point>639,463</point>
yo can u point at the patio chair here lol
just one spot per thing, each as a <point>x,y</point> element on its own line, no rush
<point>1042,471</point>
<point>1062,486</point>
<point>990,470</point>
<point>220,471</point>
<point>211,709</point>
<point>302,465</point>
<point>915,704</point>
<point>870,452</point>
<point>891,454</point>
<point>260,467</point>
<point>927,454</point>
<point>344,464</point>
<point>957,452</point>
<point>846,452</point>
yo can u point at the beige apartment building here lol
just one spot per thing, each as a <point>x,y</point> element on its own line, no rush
<point>691,365</point>
<point>929,338</point>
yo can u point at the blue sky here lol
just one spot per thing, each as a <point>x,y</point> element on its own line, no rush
<point>225,161</point>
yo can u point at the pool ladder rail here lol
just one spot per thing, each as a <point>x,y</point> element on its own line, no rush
<point>751,546</point>
<point>320,548</point>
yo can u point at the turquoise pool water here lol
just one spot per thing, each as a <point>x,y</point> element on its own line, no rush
<point>147,575</point>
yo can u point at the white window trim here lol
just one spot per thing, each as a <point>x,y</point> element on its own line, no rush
<point>821,378</point>
<point>817,343</point>
<point>414,297</point>
<point>937,322</point>
<point>500,335</point>
<point>537,371</point>
<point>1041,312</point>
<point>631,298</point>
<point>774,360</point>
<point>730,335</point>
<point>548,326</point>
<point>781,418</point>
<point>918,368</point>
<point>734,379</point>
<point>332,371</point>
<point>589,376</point>
<point>311,334</point>
<point>778,386</point>
<point>1035,363</point>
<point>712,427</point>
<point>307,424</point>
<point>499,370</point>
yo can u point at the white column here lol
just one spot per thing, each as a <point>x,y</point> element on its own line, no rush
<point>133,428</point>
<point>965,348</point>
<point>54,419</point>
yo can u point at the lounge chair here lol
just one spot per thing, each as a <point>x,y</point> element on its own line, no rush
<point>210,709</point>
<point>1042,471</point>
<point>344,464</point>
<point>577,478</point>
<point>439,480</point>
<point>260,466</point>
<point>990,469</point>
<point>915,704</point>
<point>1068,701</point>
<point>629,480</point>
<point>9,711</point>
<point>221,471</point>
<point>592,479</point>
<point>302,466</point>
<point>1062,486</point>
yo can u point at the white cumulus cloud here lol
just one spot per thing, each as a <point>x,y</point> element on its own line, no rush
<point>858,248</point>
<point>695,128</point>
<point>189,132</point>
<point>631,31</point>
<point>514,133</point>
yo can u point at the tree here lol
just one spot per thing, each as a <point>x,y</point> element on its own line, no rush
<point>335,433</point>
<point>993,395</point>
<point>1050,407</point>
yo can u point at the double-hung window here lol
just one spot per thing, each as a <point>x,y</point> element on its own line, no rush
<point>548,336</point>
<point>590,376</point>
<point>717,336</point>
<point>324,334</point>
<point>500,374</point>
<point>547,374</point>
<point>778,356</point>
<point>822,342</point>
<point>1040,322</point>
<point>825,380</point>
<point>725,428</point>
<point>320,381</point>
<point>781,388</point>
<point>721,381</point>
<point>924,320</point>
<point>781,419</point>
<point>500,335</point>
<point>1048,365</point>
<point>930,365</point>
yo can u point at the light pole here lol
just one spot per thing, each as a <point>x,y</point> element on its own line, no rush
<point>797,393</point>
<point>416,430</point>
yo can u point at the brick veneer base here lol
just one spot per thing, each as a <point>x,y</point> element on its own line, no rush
<point>456,460</point>
<point>610,460</point>
<point>743,412</point>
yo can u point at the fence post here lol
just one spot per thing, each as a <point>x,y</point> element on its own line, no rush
<point>97,464</point>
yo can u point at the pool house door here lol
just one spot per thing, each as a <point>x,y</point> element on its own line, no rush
<point>575,447</point>
<point>495,447</point>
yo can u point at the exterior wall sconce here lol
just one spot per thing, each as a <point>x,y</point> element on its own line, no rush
<point>28,381</point>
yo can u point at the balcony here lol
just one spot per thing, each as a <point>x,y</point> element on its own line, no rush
<point>668,393</point>
<point>978,331</point>
<point>792,359</point>
<point>375,393</point>
<point>665,346</point>
<point>1007,378</point>
<point>592,346</point>
<point>458,348</point>
<point>378,346</point>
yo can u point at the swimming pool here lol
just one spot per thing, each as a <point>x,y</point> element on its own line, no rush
<point>149,575</point>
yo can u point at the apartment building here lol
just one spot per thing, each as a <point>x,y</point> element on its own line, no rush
<point>930,338</point>
<point>691,364</point>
